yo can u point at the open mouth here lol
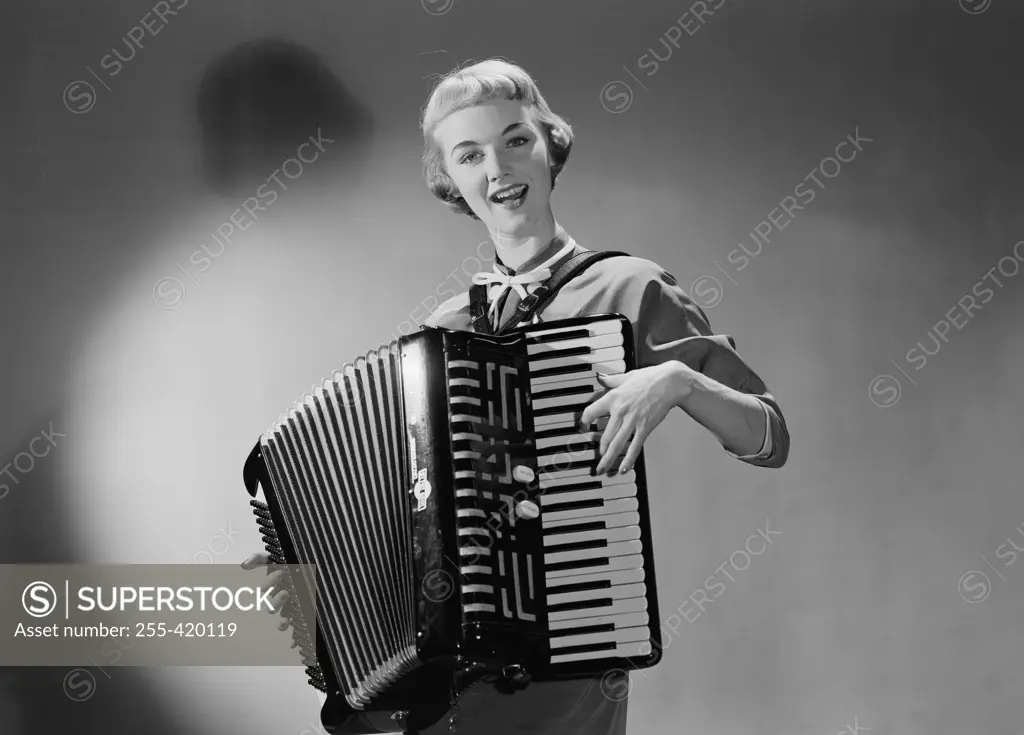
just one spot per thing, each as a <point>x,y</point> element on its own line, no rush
<point>511,197</point>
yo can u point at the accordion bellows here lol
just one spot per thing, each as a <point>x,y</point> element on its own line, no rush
<point>448,500</point>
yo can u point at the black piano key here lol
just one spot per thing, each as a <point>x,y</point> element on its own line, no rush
<point>584,630</point>
<point>568,409</point>
<point>568,446</point>
<point>559,336</point>
<point>580,604</point>
<point>567,650</point>
<point>575,505</point>
<point>599,584</point>
<point>583,525</point>
<point>571,488</point>
<point>543,372</point>
<point>539,357</point>
<point>578,546</point>
<point>588,564</point>
<point>564,390</point>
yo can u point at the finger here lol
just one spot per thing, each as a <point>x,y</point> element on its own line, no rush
<point>258,559</point>
<point>276,580</point>
<point>614,422</point>
<point>611,381</point>
<point>617,445</point>
<point>634,450</point>
<point>284,625</point>
<point>597,408</point>
<point>277,602</point>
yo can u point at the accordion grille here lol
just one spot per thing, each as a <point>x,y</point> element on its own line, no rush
<point>341,478</point>
<point>300,631</point>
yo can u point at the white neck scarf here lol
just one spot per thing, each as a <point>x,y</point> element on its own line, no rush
<point>523,283</point>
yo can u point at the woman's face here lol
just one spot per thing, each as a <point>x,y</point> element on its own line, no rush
<point>498,158</point>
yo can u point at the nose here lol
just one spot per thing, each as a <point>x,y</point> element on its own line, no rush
<point>496,168</point>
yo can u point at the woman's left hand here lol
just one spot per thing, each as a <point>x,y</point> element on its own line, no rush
<point>635,403</point>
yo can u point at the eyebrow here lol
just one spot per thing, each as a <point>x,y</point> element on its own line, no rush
<point>467,143</point>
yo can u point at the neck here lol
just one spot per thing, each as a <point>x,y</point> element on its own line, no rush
<point>515,252</point>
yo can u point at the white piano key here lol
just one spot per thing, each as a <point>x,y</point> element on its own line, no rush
<point>628,605</point>
<point>604,552</point>
<point>568,440</point>
<point>611,535</point>
<point>607,491</point>
<point>625,576</point>
<point>628,561</point>
<point>616,511</point>
<point>476,569</point>
<point>464,381</point>
<point>563,458</point>
<point>559,478</point>
<point>566,424</point>
<point>618,592</point>
<point>568,401</point>
<point>555,421</point>
<point>619,635</point>
<point>541,361</point>
<point>478,607</point>
<point>592,343</point>
<point>624,515</point>
<point>602,326</point>
<point>623,620</point>
<point>623,650</point>
<point>469,588</point>
<point>546,382</point>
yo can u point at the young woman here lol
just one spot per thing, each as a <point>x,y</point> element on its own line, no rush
<point>494,150</point>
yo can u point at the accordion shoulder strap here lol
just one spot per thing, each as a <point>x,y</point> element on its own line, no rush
<point>478,309</point>
<point>562,275</point>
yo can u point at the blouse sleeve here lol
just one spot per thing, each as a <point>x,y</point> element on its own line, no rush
<point>670,326</point>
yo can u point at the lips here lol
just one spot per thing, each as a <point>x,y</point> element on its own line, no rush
<point>509,193</point>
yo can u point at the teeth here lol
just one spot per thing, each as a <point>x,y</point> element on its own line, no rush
<point>510,193</point>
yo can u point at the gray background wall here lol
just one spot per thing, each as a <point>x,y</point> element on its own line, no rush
<point>860,608</point>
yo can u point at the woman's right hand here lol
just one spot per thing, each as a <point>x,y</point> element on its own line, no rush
<point>261,560</point>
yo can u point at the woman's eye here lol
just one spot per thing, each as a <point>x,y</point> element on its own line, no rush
<point>515,142</point>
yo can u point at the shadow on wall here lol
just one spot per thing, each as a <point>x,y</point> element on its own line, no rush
<point>255,104</point>
<point>258,102</point>
<point>34,529</point>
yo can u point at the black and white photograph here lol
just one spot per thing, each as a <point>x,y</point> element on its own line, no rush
<point>533,368</point>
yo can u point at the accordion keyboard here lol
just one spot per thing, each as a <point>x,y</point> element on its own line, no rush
<point>595,583</point>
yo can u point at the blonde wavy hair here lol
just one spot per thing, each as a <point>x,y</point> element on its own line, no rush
<point>484,81</point>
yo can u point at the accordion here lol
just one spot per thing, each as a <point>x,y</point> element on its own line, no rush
<point>444,492</point>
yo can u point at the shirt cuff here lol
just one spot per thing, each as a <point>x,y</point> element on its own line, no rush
<point>766,446</point>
